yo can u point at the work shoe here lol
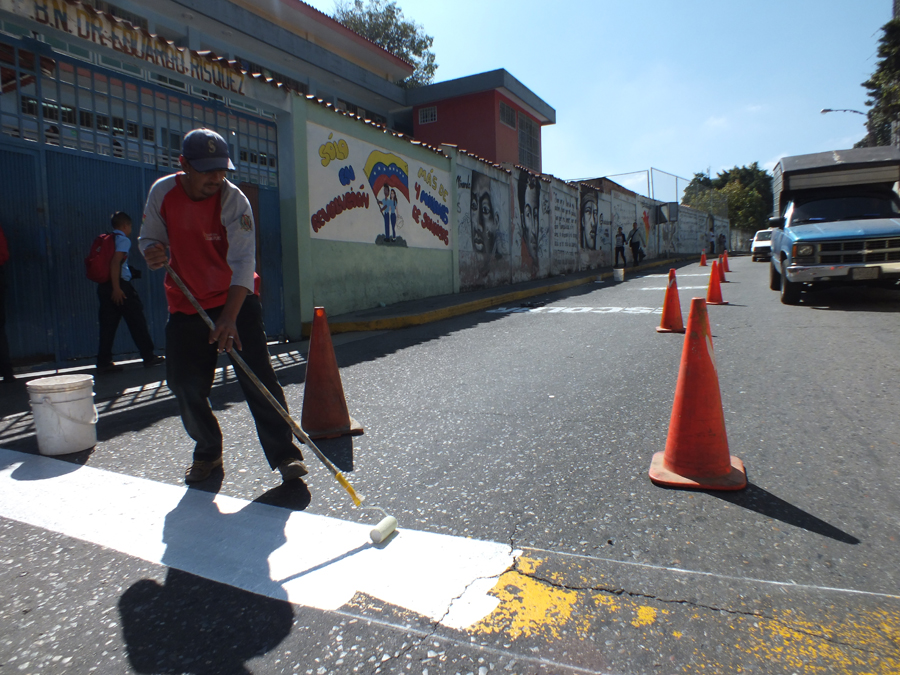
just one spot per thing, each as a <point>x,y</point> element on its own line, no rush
<point>154,361</point>
<point>201,469</point>
<point>292,468</point>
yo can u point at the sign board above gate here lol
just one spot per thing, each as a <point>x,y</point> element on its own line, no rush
<point>85,23</point>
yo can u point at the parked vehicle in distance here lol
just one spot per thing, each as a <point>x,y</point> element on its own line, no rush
<point>837,220</point>
<point>761,246</point>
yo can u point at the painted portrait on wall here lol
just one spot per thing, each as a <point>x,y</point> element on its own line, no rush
<point>589,218</point>
<point>531,227</point>
<point>483,221</point>
<point>593,228</point>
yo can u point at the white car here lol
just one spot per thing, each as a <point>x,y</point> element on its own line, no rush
<point>761,246</point>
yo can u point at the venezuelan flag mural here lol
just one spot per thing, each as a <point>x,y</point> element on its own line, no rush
<point>375,193</point>
<point>383,168</point>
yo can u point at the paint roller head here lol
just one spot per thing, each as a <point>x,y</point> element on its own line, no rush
<point>383,529</point>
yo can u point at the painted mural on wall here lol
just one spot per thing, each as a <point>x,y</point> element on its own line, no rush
<point>593,228</point>
<point>483,229</point>
<point>689,234</point>
<point>531,227</point>
<point>646,211</point>
<point>564,257</point>
<point>359,192</point>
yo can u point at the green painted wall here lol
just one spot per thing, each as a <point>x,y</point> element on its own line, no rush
<point>350,276</point>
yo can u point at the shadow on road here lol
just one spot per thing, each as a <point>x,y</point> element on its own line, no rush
<point>853,299</point>
<point>757,499</point>
<point>191,624</point>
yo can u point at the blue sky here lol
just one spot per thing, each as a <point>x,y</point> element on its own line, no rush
<point>678,86</point>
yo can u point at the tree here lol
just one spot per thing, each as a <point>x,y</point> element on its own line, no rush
<point>383,23</point>
<point>698,191</point>
<point>884,89</point>
<point>746,190</point>
<point>746,207</point>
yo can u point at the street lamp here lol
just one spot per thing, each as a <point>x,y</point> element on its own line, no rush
<point>828,110</point>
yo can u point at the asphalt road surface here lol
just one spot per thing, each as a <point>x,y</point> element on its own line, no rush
<point>513,446</point>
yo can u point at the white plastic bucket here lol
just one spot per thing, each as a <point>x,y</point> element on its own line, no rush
<point>65,418</point>
<point>619,273</point>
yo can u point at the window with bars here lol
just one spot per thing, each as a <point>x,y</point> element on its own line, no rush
<point>91,110</point>
<point>428,115</point>
<point>529,143</point>
<point>507,115</point>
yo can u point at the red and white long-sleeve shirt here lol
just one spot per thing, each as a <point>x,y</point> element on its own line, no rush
<point>212,243</point>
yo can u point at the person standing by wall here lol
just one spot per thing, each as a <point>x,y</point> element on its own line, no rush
<point>202,225</point>
<point>6,370</point>
<point>118,300</point>
<point>620,247</point>
<point>711,241</point>
<point>392,205</point>
<point>385,205</point>
<point>634,240</point>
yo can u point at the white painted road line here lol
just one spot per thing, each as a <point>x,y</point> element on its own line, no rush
<point>679,276</point>
<point>575,310</point>
<point>309,560</point>
<point>680,288</point>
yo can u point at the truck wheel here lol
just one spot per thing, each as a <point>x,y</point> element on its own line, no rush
<point>790,290</point>
<point>774,279</point>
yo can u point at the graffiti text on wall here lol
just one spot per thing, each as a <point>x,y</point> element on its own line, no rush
<point>341,203</point>
<point>333,150</point>
<point>565,232</point>
<point>437,208</point>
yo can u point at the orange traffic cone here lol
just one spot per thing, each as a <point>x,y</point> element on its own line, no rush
<point>325,413</point>
<point>714,291</point>
<point>671,315</point>
<point>722,278</point>
<point>696,454</point>
<point>703,259</point>
<point>725,260</point>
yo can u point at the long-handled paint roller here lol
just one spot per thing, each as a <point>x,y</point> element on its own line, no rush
<point>388,524</point>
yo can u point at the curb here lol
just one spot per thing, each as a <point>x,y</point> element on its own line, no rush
<point>396,322</point>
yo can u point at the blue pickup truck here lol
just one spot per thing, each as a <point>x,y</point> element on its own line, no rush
<point>837,220</point>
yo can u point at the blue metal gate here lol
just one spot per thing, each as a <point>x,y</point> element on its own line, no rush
<point>31,312</point>
<point>78,143</point>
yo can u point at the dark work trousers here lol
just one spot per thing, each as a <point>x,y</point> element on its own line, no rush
<point>6,370</point>
<point>190,368</point>
<point>620,250</point>
<point>132,310</point>
<point>635,253</point>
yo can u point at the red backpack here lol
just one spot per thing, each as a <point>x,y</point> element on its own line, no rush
<point>96,265</point>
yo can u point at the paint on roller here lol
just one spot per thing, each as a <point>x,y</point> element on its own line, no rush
<point>384,529</point>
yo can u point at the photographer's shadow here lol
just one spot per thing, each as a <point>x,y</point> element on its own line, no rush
<point>218,607</point>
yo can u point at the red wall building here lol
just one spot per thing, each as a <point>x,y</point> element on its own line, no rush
<point>491,115</point>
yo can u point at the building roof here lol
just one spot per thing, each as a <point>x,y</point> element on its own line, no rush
<point>499,80</point>
<point>295,16</point>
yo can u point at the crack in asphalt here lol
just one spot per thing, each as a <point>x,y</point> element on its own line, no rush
<point>636,594</point>
<point>435,625</point>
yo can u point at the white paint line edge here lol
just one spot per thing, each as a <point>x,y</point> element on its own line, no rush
<point>314,561</point>
<point>306,559</point>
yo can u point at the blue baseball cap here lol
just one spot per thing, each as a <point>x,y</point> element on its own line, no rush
<point>205,150</point>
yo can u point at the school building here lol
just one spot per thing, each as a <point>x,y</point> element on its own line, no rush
<point>364,192</point>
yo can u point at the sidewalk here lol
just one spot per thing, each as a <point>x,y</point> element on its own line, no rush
<point>14,398</point>
<point>437,308</point>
